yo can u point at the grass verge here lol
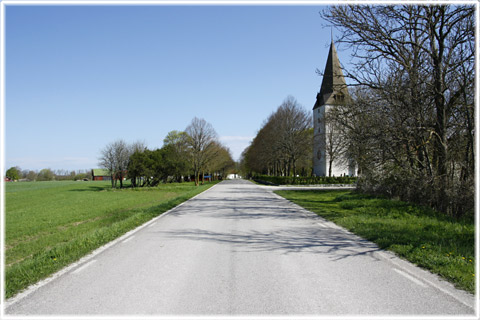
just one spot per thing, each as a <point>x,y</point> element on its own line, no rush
<point>422,236</point>
<point>49,225</point>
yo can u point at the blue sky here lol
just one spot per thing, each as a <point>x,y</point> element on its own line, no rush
<point>80,77</point>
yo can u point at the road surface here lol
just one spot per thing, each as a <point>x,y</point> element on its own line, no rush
<point>239,249</point>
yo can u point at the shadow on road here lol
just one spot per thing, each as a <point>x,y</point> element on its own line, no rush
<point>248,202</point>
<point>315,240</point>
<point>252,208</point>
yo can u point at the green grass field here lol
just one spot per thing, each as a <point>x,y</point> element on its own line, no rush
<point>49,225</point>
<point>420,235</point>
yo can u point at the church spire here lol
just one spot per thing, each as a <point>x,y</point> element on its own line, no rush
<point>334,88</point>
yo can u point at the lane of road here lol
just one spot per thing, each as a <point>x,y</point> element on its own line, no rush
<point>239,249</point>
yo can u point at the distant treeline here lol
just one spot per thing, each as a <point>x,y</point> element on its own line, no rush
<point>18,174</point>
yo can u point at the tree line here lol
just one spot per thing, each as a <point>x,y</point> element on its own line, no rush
<point>410,126</point>
<point>47,174</point>
<point>185,155</point>
<point>283,145</point>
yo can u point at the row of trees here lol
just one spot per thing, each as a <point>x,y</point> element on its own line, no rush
<point>16,173</point>
<point>411,124</point>
<point>283,146</point>
<point>193,152</point>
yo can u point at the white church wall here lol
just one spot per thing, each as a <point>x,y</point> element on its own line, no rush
<point>321,161</point>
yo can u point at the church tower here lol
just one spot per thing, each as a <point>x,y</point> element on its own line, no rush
<point>327,142</point>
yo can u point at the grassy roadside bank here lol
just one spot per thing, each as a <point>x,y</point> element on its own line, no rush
<point>49,225</point>
<point>422,236</point>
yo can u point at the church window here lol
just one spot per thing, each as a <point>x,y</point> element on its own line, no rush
<point>340,97</point>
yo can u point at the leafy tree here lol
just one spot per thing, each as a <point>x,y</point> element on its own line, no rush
<point>137,168</point>
<point>151,167</point>
<point>46,175</point>
<point>177,153</point>
<point>136,163</point>
<point>176,138</point>
<point>13,173</point>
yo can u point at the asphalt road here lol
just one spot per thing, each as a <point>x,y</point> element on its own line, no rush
<point>239,249</point>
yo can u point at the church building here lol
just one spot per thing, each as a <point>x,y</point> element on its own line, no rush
<point>329,150</point>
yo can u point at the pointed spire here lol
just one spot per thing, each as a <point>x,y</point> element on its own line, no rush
<point>334,88</point>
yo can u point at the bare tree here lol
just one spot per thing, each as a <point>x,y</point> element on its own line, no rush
<point>292,124</point>
<point>418,63</point>
<point>107,161</point>
<point>138,146</point>
<point>114,157</point>
<point>201,137</point>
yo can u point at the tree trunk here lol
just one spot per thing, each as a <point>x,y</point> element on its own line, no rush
<point>196,173</point>
<point>440,146</point>
<point>134,182</point>
<point>330,164</point>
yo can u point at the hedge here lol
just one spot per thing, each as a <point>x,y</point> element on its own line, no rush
<point>304,180</point>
